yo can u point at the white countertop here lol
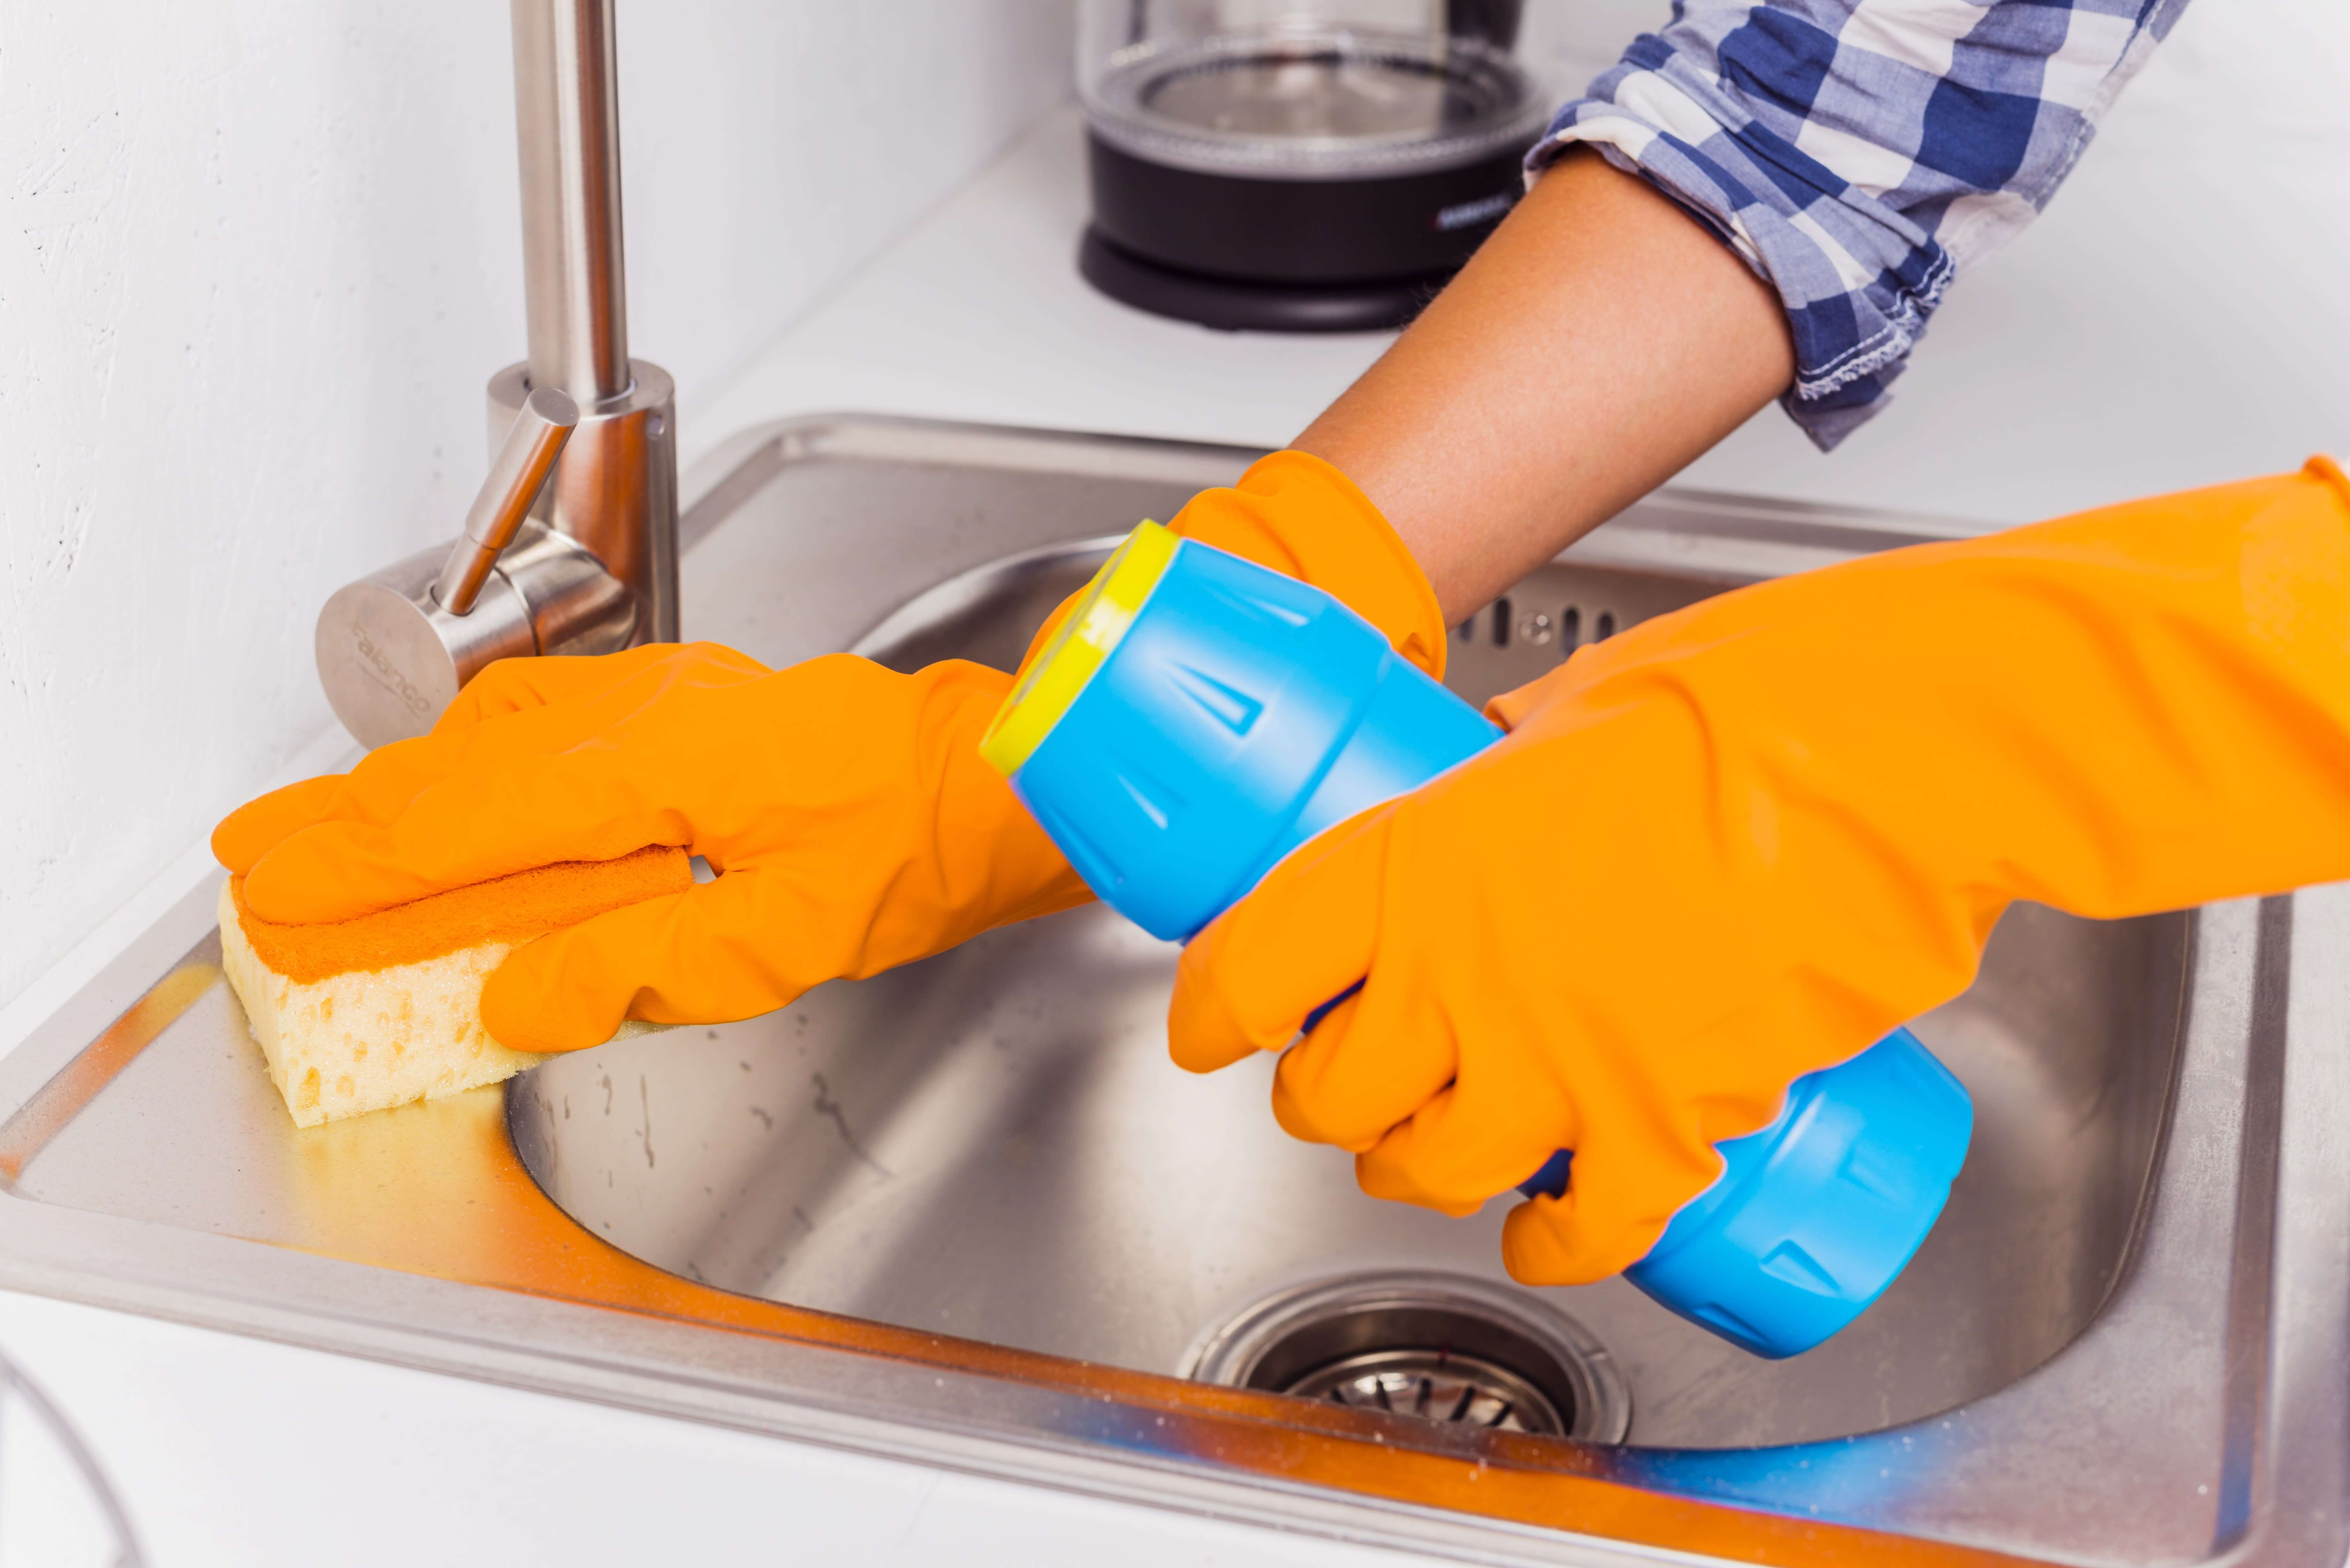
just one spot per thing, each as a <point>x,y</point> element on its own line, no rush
<point>2175,321</point>
<point>2118,349</point>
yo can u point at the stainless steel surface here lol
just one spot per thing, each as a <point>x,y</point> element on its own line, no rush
<point>994,1144</point>
<point>997,1219</point>
<point>1436,1386</point>
<point>597,571</point>
<point>568,120</point>
<point>615,490</point>
<point>517,473</point>
<point>1444,1347</point>
<point>391,658</point>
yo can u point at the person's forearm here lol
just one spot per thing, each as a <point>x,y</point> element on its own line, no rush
<point>1595,345</point>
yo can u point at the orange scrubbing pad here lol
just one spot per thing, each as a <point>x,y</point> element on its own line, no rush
<point>511,909</point>
<point>386,1009</point>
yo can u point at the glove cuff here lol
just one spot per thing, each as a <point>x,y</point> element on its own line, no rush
<point>1297,514</point>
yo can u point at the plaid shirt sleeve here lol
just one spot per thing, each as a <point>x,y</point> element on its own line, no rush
<point>1858,153</point>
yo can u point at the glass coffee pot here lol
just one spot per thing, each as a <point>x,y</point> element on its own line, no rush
<point>1299,165</point>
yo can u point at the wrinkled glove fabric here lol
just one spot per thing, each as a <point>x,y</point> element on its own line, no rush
<point>845,806</point>
<point>1740,842</point>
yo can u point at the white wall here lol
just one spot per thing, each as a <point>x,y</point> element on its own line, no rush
<point>257,258</point>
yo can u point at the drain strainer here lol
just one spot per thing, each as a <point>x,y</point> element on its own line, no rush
<point>1442,1347</point>
<point>1440,1385</point>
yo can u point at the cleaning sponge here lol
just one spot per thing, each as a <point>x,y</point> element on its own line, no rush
<point>386,1009</point>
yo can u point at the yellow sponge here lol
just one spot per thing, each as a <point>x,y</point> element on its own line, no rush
<point>386,1009</point>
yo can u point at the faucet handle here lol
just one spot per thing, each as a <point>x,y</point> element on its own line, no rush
<point>395,647</point>
<point>517,475</point>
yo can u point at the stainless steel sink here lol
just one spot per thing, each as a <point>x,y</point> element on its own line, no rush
<point>994,1144</point>
<point>968,1213</point>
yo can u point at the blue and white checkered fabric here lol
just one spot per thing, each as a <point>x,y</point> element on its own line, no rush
<point>1859,153</point>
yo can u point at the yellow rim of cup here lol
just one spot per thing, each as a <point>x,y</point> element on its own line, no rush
<point>1084,639</point>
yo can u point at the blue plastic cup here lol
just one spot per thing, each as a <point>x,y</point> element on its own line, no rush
<point>1197,717</point>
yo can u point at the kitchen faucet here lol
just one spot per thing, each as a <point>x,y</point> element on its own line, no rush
<point>571,546</point>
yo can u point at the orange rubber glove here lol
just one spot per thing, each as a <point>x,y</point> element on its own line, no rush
<point>847,808</point>
<point>1740,843</point>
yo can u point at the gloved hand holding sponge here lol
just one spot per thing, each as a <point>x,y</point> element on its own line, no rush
<point>847,805</point>
<point>1726,848</point>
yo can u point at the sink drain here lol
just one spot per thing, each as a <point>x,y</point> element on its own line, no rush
<point>1440,1385</point>
<point>1441,1347</point>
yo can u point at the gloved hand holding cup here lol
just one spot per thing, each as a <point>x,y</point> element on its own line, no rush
<point>1196,719</point>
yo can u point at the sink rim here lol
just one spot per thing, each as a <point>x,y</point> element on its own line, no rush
<point>651,1341</point>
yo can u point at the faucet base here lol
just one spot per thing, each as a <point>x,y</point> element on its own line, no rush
<point>391,658</point>
<point>593,571</point>
<point>615,488</point>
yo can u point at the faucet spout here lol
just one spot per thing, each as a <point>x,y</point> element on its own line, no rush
<point>615,488</point>
<point>593,566</point>
<point>567,118</point>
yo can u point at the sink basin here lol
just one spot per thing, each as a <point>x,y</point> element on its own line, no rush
<point>968,1213</point>
<point>994,1144</point>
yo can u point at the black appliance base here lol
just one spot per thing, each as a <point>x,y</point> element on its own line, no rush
<point>1234,304</point>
